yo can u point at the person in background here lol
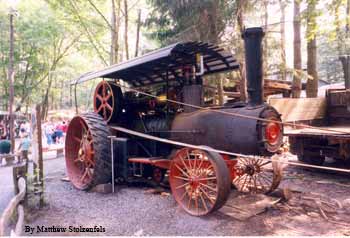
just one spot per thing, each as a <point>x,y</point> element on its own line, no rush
<point>48,130</point>
<point>64,127</point>
<point>23,148</point>
<point>25,127</point>
<point>58,133</point>
<point>3,131</point>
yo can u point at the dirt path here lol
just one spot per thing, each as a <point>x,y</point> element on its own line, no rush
<point>131,211</point>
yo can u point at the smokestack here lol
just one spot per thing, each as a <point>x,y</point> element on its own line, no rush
<point>253,63</point>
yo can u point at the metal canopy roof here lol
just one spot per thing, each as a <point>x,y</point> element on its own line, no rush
<point>152,68</point>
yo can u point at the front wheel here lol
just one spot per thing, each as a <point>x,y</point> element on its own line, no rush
<point>199,181</point>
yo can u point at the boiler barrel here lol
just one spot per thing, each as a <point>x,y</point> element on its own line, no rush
<point>231,133</point>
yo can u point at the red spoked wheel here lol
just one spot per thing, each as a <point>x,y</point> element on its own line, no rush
<point>87,151</point>
<point>199,181</point>
<point>107,100</point>
<point>257,175</point>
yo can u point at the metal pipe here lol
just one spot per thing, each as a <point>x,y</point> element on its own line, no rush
<point>253,59</point>
<point>112,160</point>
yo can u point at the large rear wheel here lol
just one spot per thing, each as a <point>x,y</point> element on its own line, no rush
<point>199,181</point>
<point>87,151</point>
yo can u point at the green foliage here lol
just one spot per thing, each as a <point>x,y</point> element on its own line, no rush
<point>204,20</point>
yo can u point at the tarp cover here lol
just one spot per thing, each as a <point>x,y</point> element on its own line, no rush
<point>154,67</point>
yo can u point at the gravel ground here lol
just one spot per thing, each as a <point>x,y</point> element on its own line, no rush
<point>130,211</point>
<point>6,181</point>
<point>6,187</point>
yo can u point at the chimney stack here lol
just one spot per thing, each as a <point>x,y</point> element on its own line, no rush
<point>254,65</point>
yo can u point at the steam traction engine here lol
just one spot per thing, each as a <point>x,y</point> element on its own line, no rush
<point>200,179</point>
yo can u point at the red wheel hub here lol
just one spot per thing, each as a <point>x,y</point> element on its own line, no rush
<point>272,132</point>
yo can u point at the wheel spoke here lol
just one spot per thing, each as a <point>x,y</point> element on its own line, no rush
<point>99,98</point>
<point>108,96</point>
<point>263,164</point>
<point>205,193</point>
<point>100,108</point>
<point>84,175</point>
<point>183,178</point>
<point>189,160</point>
<point>183,195</point>
<point>203,202</point>
<point>245,182</point>
<point>196,204</point>
<point>184,164</point>
<point>186,174</point>
<point>104,90</point>
<point>207,179</point>
<point>109,107</point>
<point>182,185</point>
<point>189,200</point>
<point>207,186</point>
<point>104,113</point>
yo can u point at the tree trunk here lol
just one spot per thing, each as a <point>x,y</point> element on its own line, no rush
<point>11,77</point>
<point>138,33</point>
<point>347,18</point>
<point>283,40</point>
<point>214,39</point>
<point>312,82</point>
<point>45,103</point>
<point>117,27</point>
<point>345,61</point>
<point>296,88</point>
<point>243,82</point>
<point>126,29</point>
<point>113,34</point>
<point>265,48</point>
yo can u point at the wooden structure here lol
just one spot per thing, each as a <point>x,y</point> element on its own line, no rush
<point>13,206</point>
<point>332,138</point>
<point>271,87</point>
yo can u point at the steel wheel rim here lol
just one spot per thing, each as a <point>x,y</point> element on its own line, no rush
<point>104,100</point>
<point>80,153</point>
<point>193,181</point>
<point>255,175</point>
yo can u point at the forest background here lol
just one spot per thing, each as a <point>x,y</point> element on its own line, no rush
<point>55,41</point>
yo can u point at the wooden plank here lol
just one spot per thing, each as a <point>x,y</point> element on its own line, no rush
<point>244,206</point>
<point>8,212</point>
<point>299,109</point>
<point>20,220</point>
<point>319,131</point>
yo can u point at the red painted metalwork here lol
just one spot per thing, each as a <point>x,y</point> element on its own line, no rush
<point>231,164</point>
<point>159,162</point>
<point>105,100</point>
<point>196,181</point>
<point>80,153</point>
<point>272,132</point>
